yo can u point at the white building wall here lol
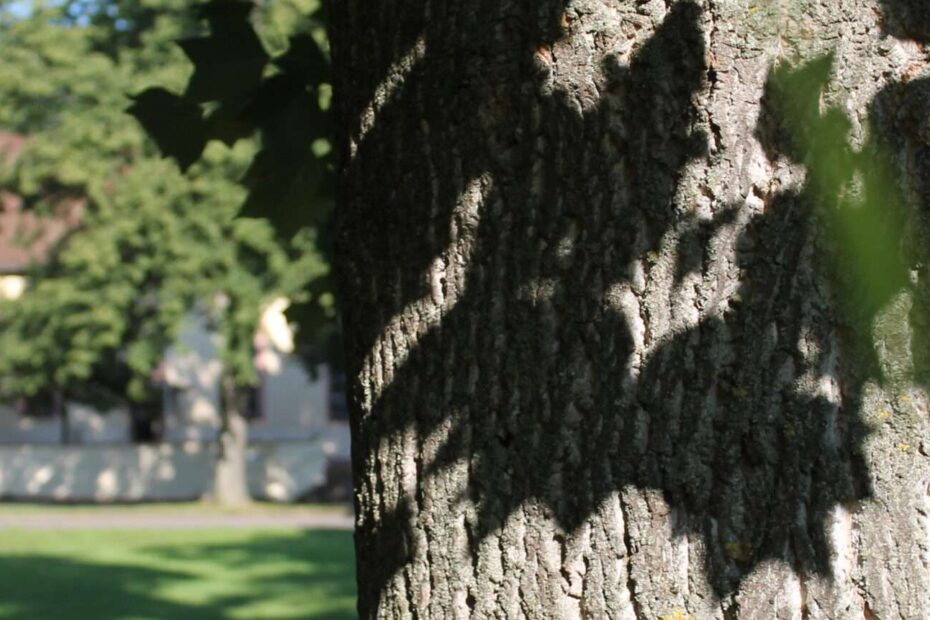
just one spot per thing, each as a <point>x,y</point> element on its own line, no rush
<point>293,405</point>
<point>86,426</point>
<point>290,444</point>
<point>192,396</point>
<point>16,428</point>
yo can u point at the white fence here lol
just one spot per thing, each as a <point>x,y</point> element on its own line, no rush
<point>278,471</point>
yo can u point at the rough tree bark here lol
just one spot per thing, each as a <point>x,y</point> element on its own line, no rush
<point>601,360</point>
<point>230,484</point>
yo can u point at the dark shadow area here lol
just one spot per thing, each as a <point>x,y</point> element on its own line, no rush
<point>307,574</point>
<point>52,587</point>
<point>907,19</point>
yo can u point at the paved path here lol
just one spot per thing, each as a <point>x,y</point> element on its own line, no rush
<point>165,520</point>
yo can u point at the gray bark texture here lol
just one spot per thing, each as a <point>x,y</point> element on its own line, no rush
<point>606,357</point>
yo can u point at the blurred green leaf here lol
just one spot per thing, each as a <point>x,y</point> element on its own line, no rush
<point>175,123</point>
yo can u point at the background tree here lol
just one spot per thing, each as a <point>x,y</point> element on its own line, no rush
<point>154,244</point>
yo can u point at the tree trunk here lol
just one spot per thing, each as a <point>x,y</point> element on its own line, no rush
<point>60,407</point>
<point>230,485</point>
<point>605,357</point>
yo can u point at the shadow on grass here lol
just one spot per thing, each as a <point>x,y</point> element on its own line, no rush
<point>281,575</point>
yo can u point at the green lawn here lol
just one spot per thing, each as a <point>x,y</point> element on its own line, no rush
<point>176,574</point>
<point>198,508</point>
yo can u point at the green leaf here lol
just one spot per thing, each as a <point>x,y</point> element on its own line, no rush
<point>229,123</point>
<point>174,122</point>
<point>227,64</point>
<point>286,192</point>
<point>225,15</point>
<point>305,61</point>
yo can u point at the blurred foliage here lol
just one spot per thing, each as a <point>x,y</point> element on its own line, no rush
<point>857,189</point>
<point>154,244</point>
<point>857,193</point>
<point>263,70</point>
<point>239,89</point>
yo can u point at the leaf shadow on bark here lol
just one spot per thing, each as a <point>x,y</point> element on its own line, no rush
<point>906,19</point>
<point>555,410</point>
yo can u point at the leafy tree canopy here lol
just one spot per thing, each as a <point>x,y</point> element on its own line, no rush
<point>239,88</point>
<point>153,243</point>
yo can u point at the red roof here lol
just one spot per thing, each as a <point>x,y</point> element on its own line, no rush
<point>11,145</point>
<point>26,237</point>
